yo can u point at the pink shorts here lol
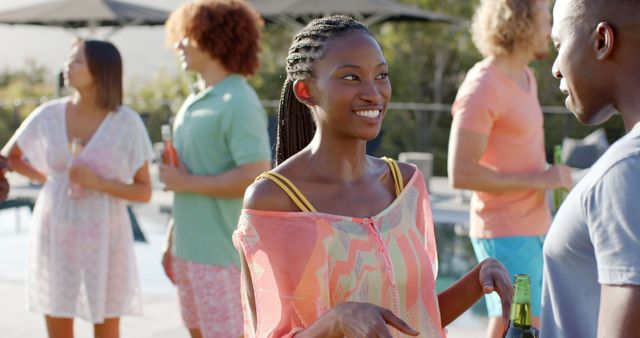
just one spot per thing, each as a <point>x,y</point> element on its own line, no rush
<point>209,298</point>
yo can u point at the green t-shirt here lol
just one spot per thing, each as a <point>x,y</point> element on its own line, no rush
<point>216,130</point>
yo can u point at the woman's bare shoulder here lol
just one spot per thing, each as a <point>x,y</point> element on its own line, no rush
<point>407,170</point>
<point>264,194</point>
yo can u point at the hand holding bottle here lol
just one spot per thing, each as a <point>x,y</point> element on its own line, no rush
<point>495,277</point>
<point>81,177</point>
<point>174,178</point>
<point>559,194</point>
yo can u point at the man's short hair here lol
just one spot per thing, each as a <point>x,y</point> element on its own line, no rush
<point>605,9</point>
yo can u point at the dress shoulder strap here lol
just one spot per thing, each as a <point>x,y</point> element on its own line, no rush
<point>397,175</point>
<point>303,203</point>
<point>290,189</point>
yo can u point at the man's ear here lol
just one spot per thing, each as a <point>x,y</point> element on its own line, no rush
<point>604,40</point>
<point>302,92</point>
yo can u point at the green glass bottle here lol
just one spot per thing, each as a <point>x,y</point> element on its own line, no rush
<point>559,194</point>
<point>520,314</point>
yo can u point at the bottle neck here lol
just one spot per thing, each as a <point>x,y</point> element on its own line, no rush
<point>521,315</point>
<point>521,305</point>
<point>76,146</point>
<point>166,133</point>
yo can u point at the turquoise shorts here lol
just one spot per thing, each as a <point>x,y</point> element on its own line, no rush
<point>520,255</point>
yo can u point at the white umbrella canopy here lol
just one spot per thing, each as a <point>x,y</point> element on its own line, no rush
<point>369,12</point>
<point>91,14</point>
<point>74,14</point>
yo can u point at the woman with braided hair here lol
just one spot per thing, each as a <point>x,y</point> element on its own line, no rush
<point>336,243</point>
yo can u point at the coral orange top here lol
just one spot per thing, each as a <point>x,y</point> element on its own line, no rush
<point>491,103</point>
<point>299,265</point>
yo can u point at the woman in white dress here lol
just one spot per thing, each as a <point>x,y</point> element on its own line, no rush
<point>81,260</point>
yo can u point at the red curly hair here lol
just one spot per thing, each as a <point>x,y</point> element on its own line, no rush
<point>229,30</point>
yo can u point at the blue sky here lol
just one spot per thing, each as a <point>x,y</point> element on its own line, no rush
<point>143,48</point>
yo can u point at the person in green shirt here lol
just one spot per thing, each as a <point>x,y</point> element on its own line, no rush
<point>220,134</point>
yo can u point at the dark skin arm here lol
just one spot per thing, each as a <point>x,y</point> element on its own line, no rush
<point>619,311</point>
<point>486,277</point>
<point>4,184</point>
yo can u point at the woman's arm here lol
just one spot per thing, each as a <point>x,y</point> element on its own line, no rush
<point>22,167</point>
<point>488,276</point>
<point>138,191</point>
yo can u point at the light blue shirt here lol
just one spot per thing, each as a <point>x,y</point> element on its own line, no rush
<point>594,240</point>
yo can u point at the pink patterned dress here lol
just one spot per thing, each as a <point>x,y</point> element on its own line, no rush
<point>299,265</point>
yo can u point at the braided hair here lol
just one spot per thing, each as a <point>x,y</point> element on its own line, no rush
<point>296,126</point>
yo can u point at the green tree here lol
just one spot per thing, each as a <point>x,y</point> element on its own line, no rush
<point>428,61</point>
<point>30,82</point>
<point>159,99</point>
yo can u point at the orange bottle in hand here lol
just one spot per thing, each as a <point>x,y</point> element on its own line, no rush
<point>169,155</point>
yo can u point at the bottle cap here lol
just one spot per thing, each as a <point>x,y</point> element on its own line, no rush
<point>165,130</point>
<point>522,285</point>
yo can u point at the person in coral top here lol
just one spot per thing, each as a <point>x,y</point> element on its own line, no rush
<point>496,145</point>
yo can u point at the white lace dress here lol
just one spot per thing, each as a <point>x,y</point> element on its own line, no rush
<point>81,259</point>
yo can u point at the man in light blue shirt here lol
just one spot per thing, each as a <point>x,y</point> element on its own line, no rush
<point>591,285</point>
